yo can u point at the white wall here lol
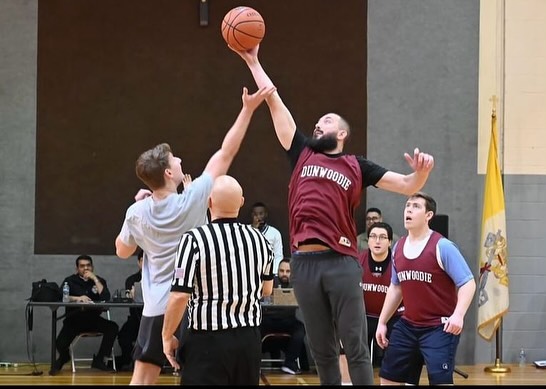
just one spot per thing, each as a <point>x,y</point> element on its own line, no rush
<point>513,67</point>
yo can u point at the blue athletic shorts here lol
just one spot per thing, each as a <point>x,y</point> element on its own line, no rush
<point>409,345</point>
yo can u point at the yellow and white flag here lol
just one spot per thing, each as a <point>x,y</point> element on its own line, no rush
<point>493,283</point>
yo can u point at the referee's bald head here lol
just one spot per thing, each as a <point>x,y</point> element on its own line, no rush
<point>226,198</point>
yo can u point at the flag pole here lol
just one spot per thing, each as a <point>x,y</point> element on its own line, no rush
<point>498,367</point>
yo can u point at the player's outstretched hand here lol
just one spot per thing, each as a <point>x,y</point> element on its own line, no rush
<point>254,100</point>
<point>420,162</point>
<point>248,56</point>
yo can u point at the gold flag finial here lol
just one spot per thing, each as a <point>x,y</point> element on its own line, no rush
<point>494,100</point>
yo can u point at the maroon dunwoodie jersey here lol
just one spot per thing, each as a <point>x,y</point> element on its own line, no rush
<point>374,285</point>
<point>429,293</point>
<point>323,193</point>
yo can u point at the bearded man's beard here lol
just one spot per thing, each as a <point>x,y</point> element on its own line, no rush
<point>327,142</point>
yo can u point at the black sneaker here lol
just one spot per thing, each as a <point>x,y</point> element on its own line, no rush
<point>59,363</point>
<point>291,368</point>
<point>98,363</point>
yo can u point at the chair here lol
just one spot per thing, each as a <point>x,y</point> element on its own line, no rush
<point>73,358</point>
<point>277,336</point>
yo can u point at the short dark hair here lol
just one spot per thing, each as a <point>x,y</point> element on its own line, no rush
<point>84,256</point>
<point>430,203</point>
<point>140,254</point>
<point>373,209</point>
<point>285,259</point>
<point>386,226</point>
<point>258,204</point>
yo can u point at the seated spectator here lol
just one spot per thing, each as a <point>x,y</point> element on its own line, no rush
<point>287,322</point>
<point>86,287</point>
<point>129,330</point>
<point>259,216</point>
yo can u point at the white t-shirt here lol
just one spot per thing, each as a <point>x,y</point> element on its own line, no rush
<point>274,238</point>
<point>156,226</point>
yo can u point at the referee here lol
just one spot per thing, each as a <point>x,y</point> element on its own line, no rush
<point>223,268</point>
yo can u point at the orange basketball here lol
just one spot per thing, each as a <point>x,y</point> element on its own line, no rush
<point>243,28</point>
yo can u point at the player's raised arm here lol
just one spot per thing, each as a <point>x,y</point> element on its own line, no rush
<point>421,164</point>
<point>285,127</point>
<point>220,162</point>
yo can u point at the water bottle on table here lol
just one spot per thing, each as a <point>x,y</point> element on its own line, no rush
<point>522,357</point>
<point>66,292</point>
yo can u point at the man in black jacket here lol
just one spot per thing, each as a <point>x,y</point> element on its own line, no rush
<point>87,287</point>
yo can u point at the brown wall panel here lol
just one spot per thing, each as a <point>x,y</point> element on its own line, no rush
<point>116,77</point>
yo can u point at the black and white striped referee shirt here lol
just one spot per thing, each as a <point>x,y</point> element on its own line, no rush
<point>223,264</point>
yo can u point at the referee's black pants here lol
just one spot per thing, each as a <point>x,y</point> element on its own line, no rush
<point>223,357</point>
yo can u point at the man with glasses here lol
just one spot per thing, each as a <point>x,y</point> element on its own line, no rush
<point>373,215</point>
<point>376,278</point>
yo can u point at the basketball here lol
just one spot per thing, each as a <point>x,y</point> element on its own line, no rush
<point>243,28</point>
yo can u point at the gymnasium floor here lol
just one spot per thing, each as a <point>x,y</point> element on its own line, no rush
<point>22,375</point>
